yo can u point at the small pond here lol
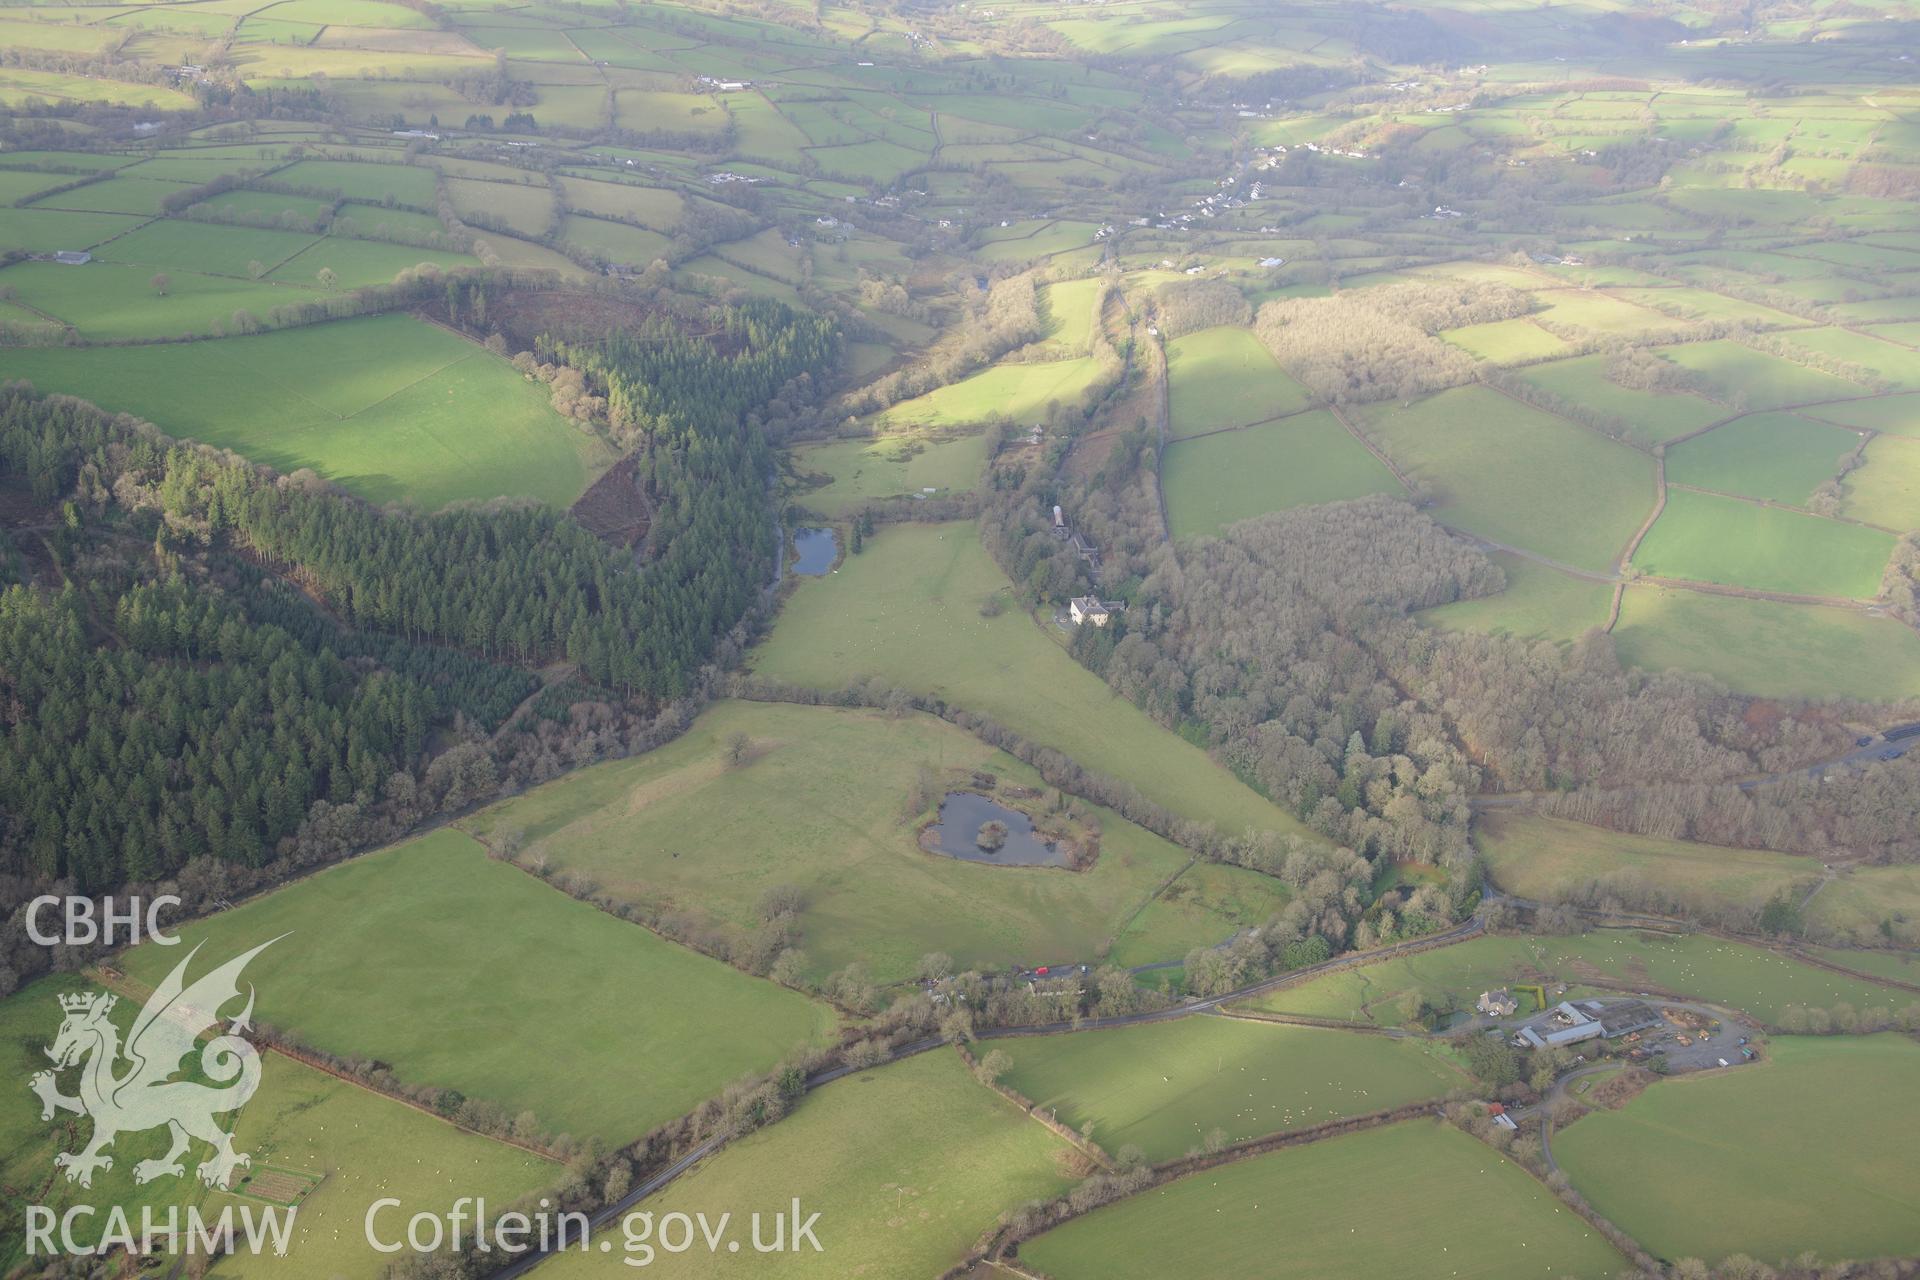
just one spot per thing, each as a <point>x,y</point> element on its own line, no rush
<point>956,834</point>
<point>818,549</point>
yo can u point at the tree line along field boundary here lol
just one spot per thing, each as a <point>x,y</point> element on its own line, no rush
<point>115,980</point>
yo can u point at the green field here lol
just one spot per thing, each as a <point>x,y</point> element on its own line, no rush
<point>46,230</point>
<point>614,241</point>
<point>1498,468</point>
<point>373,183</point>
<point>907,1166</point>
<point>889,466</point>
<point>170,244</point>
<point>1898,365</point>
<point>1895,966</point>
<point>1814,1149</point>
<point>112,195</point>
<point>1777,456</point>
<point>821,805</point>
<point>522,207</point>
<point>1896,415</point>
<point>1753,379</point>
<point>1768,647</point>
<point>1743,544</point>
<point>1873,905</point>
<point>113,301</point>
<point>1885,490</point>
<point>1208,902</point>
<point>357,264</point>
<point>1022,392</point>
<point>1538,603</point>
<point>301,1120</point>
<point>1165,1086</point>
<point>367,1147</point>
<point>1650,416</point>
<point>1541,858</point>
<point>1597,313</point>
<point>1506,341</point>
<point>1225,377</point>
<point>1756,981</point>
<point>485,949</point>
<point>1455,1207</point>
<point>908,611</point>
<point>391,408</point>
<point>1070,308</point>
<point>19,84</point>
<point>1233,475</point>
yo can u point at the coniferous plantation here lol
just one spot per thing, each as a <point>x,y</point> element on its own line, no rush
<point>228,646</point>
<point>1083,641</point>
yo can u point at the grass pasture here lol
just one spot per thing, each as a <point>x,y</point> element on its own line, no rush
<point>1316,1211</point>
<point>657,208</point>
<point>46,230</point>
<point>1751,379</point>
<point>485,947</point>
<point>525,208</point>
<point>174,245</point>
<point>1777,456</point>
<point>1894,415</point>
<point>1543,858</point>
<point>1685,1168</point>
<point>358,263</point>
<point>363,181</point>
<point>908,610</point>
<point>1498,468</point>
<point>365,1147</point>
<point>1650,416</point>
<point>1210,901</point>
<point>1308,458</point>
<point>18,84</point>
<point>1873,905</point>
<point>391,408</point>
<point>114,301</point>
<point>906,1164</point>
<point>1225,377</point>
<point>1022,392</point>
<point>1709,538</point>
<point>1164,1086</point>
<point>1070,310</point>
<point>110,195</point>
<point>1539,603</point>
<point>890,466</point>
<point>1513,341</point>
<point>1768,647</point>
<point>1599,313</point>
<point>614,241</point>
<point>1898,365</point>
<point>821,806</point>
<point>1886,489</point>
<point>299,1119</point>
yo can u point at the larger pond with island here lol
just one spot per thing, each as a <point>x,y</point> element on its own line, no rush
<point>963,817</point>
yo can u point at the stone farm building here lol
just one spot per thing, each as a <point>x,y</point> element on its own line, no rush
<point>1498,1004</point>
